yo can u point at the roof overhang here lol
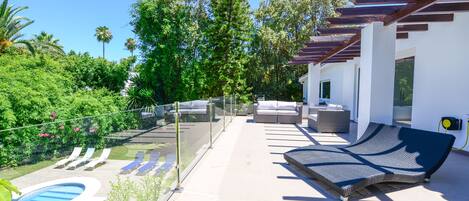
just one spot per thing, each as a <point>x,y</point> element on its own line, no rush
<point>340,41</point>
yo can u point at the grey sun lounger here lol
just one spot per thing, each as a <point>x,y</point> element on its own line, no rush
<point>167,165</point>
<point>134,164</point>
<point>383,154</point>
<point>154,156</point>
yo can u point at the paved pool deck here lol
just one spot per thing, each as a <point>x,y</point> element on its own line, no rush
<point>246,164</point>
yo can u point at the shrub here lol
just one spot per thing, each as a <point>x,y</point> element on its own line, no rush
<point>89,72</point>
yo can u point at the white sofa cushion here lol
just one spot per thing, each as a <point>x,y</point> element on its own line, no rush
<point>267,112</point>
<point>199,104</point>
<point>193,111</point>
<point>287,113</point>
<point>267,105</point>
<point>334,107</point>
<point>282,105</point>
<point>313,117</point>
<point>185,105</point>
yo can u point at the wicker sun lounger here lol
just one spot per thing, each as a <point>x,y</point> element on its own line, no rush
<point>383,154</point>
<point>167,165</point>
<point>134,164</point>
<point>154,157</point>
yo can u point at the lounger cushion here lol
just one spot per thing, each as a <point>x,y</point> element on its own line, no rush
<point>282,105</point>
<point>267,112</point>
<point>287,113</point>
<point>267,105</point>
<point>383,154</point>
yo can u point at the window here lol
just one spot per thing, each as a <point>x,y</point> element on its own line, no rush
<point>404,82</point>
<point>325,89</point>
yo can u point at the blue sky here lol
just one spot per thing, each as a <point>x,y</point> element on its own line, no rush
<point>74,23</point>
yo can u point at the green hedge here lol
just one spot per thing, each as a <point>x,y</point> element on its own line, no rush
<point>42,89</point>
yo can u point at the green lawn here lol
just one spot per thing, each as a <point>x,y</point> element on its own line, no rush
<point>122,152</point>
<point>12,173</point>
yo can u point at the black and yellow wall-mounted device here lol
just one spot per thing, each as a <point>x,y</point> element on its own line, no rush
<point>451,123</point>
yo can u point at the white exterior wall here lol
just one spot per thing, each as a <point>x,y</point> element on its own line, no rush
<point>441,78</point>
<point>342,77</point>
<point>377,69</point>
<point>314,74</point>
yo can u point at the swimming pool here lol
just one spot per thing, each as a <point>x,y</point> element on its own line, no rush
<point>67,189</point>
<point>60,192</point>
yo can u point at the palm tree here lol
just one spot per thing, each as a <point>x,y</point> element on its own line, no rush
<point>104,35</point>
<point>131,45</point>
<point>46,43</point>
<point>10,27</point>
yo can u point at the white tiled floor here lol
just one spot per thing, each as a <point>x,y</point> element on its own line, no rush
<point>246,164</point>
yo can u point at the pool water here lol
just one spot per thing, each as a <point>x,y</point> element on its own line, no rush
<point>62,192</point>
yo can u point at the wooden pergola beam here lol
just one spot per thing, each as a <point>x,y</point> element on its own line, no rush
<point>354,20</point>
<point>408,10</point>
<point>374,2</point>
<point>428,18</point>
<point>344,46</point>
<point>323,43</point>
<point>330,31</point>
<point>412,27</point>
<point>402,35</point>
<point>446,7</point>
<point>370,10</point>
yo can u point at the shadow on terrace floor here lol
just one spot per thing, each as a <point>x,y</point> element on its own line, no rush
<point>448,183</point>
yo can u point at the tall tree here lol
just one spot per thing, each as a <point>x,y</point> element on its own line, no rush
<point>104,35</point>
<point>282,27</point>
<point>46,43</point>
<point>162,28</point>
<point>228,37</point>
<point>131,45</point>
<point>11,25</point>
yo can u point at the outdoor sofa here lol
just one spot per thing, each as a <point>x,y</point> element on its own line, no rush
<point>277,112</point>
<point>330,119</point>
<point>383,154</point>
<point>193,111</point>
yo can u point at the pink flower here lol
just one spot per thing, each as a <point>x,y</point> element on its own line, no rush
<point>44,135</point>
<point>76,129</point>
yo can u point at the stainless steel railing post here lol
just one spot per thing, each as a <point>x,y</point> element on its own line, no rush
<point>210,110</point>
<point>178,145</point>
<point>224,114</point>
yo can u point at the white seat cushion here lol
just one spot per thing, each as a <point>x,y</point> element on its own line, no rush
<point>334,107</point>
<point>267,112</point>
<point>282,105</point>
<point>313,117</point>
<point>287,113</point>
<point>185,105</point>
<point>199,104</point>
<point>267,105</point>
<point>193,111</point>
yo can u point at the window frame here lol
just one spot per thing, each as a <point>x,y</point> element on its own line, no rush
<point>321,90</point>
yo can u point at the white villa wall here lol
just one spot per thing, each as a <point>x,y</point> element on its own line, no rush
<point>441,78</point>
<point>342,77</point>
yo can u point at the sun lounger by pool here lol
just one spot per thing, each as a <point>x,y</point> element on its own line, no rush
<point>102,159</point>
<point>383,154</point>
<point>134,164</point>
<point>154,157</point>
<point>167,165</point>
<point>73,156</point>
<point>87,157</point>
